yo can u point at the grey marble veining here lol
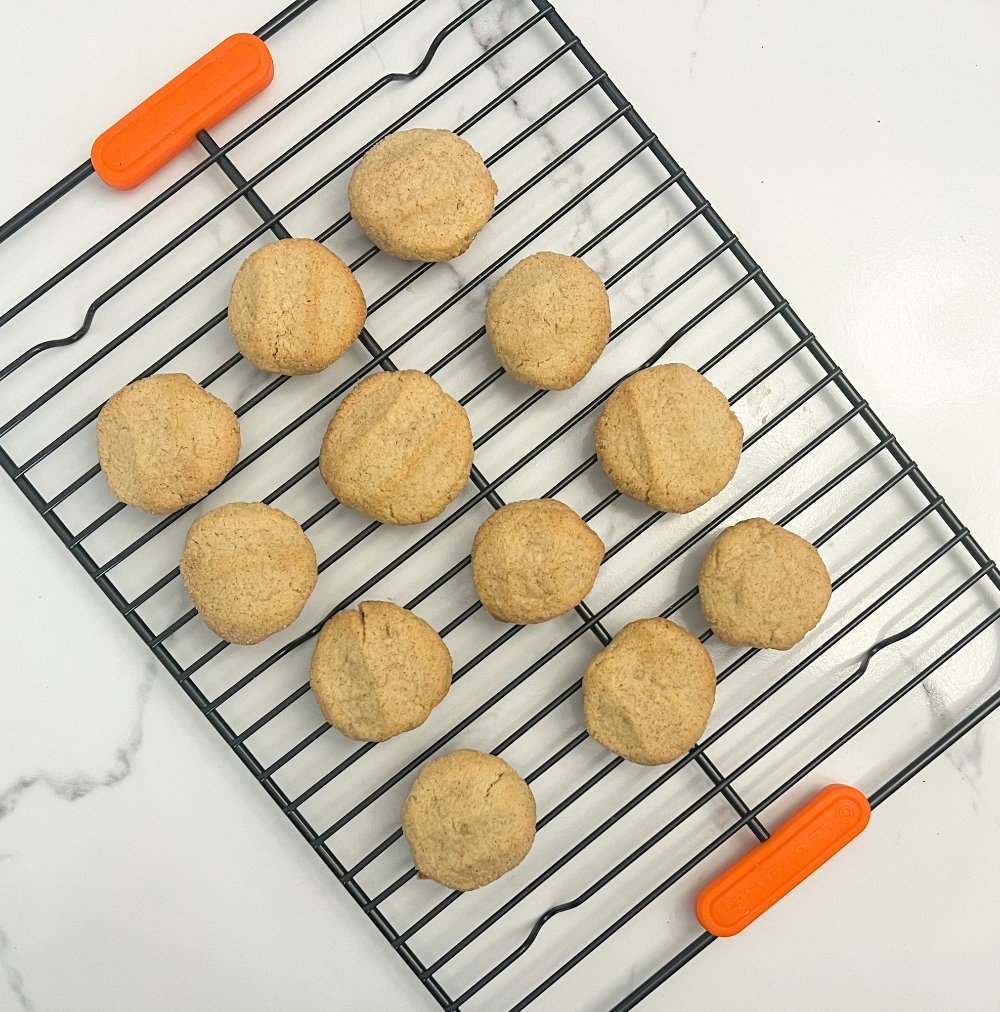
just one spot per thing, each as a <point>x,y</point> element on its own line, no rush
<point>12,974</point>
<point>72,787</point>
<point>705,62</point>
<point>489,27</point>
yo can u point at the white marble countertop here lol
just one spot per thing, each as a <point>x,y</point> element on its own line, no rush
<point>854,148</point>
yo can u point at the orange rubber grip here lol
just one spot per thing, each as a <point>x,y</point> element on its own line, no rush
<point>150,135</point>
<point>774,868</point>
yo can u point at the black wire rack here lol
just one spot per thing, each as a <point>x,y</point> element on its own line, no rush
<point>620,848</point>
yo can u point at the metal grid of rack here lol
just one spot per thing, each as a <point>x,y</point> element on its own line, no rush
<point>581,172</point>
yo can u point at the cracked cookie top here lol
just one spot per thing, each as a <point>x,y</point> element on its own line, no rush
<point>422,194</point>
<point>378,671</point>
<point>469,818</point>
<point>668,438</point>
<point>249,569</point>
<point>548,320</point>
<point>648,695</point>
<point>398,449</point>
<point>534,560</point>
<point>762,586</point>
<point>164,442</point>
<point>295,307</point>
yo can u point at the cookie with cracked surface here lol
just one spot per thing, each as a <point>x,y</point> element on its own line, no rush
<point>469,819</point>
<point>295,307</point>
<point>249,569</point>
<point>398,449</point>
<point>164,442</point>
<point>534,560</point>
<point>422,194</point>
<point>647,696</point>
<point>668,438</point>
<point>762,586</point>
<point>378,671</point>
<point>548,320</point>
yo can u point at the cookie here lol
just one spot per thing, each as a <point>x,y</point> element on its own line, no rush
<point>548,319</point>
<point>422,194</point>
<point>398,449</point>
<point>469,818</point>
<point>648,694</point>
<point>378,671</point>
<point>762,586</point>
<point>534,560</point>
<point>668,438</point>
<point>295,307</point>
<point>164,442</point>
<point>249,569</point>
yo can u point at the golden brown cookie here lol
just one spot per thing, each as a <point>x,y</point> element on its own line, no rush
<point>763,586</point>
<point>378,671</point>
<point>534,560</point>
<point>295,307</point>
<point>648,694</point>
<point>668,438</point>
<point>548,319</point>
<point>249,569</point>
<point>469,818</point>
<point>164,442</point>
<point>422,194</point>
<point>398,449</point>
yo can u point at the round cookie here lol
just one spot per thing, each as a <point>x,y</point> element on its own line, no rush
<point>469,818</point>
<point>398,449</point>
<point>249,569</point>
<point>534,560</point>
<point>668,438</point>
<point>647,695</point>
<point>164,442</point>
<point>422,194</point>
<point>295,307</point>
<point>762,586</point>
<point>378,671</point>
<point>548,319</point>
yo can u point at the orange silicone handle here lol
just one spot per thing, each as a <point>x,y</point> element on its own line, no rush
<point>209,90</point>
<point>774,868</point>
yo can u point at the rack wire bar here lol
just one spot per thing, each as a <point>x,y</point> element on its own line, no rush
<point>378,360</point>
<point>83,171</point>
<point>943,743</point>
<point>897,549</point>
<point>179,184</point>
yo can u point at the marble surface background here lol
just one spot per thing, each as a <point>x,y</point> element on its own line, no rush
<point>854,151</point>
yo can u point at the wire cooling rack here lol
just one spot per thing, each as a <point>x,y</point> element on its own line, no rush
<point>620,848</point>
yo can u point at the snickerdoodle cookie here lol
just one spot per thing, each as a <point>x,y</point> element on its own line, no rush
<point>422,194</point>
<point>164,442</point>
<point>398,449</point>
<point>469,818</point>
<point>763,586</point>
<point>548,319</point>
<point>649,693</point>
<point>668,438</point>
<point>378,671</point>
<point>534,560</point>
<point>295,307</point>
<point>249,569</point>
